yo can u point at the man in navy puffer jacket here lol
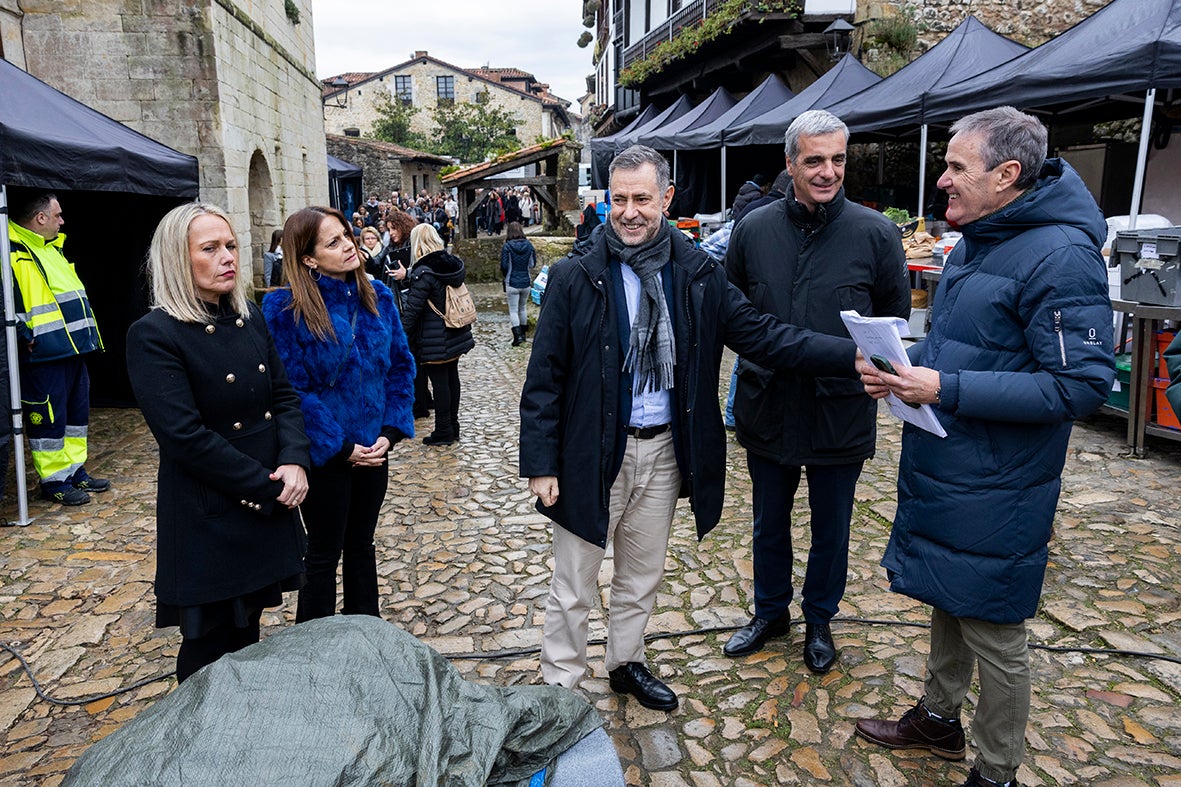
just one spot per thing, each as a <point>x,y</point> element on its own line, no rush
<point>1020,347</point>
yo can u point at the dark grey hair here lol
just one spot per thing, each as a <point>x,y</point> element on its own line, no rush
<point>812,123</point>
<point>1008,135</point>
<point>637,156</point>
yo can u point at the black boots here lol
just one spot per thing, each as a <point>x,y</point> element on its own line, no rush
<point>518,335</point>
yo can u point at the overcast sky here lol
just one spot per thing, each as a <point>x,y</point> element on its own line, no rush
<point>537,36</point>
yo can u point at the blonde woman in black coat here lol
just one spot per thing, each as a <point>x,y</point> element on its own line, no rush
<point>233,454</point>
<point>435,346</point>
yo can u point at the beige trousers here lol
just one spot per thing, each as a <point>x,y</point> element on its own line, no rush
<point>643,499</point>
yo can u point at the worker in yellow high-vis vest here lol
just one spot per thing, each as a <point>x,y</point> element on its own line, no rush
<point>55,328</point>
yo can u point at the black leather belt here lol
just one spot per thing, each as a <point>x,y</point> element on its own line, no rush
<point>647,432</point>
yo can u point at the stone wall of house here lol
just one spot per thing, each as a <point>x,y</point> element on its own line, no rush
<point>360,111</point>
<point>1030,22</point>
<point>385,169</point>
<point>228,81</point>
<point>11,46</point>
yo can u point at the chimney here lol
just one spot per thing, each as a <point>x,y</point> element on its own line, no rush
<point>420,53</point>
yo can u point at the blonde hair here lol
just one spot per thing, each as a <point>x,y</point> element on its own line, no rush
<point>424,240</point>
<point>369,231</point>
<point>170,268</point>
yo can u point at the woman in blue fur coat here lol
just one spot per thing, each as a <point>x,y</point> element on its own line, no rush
<point>342,343</point>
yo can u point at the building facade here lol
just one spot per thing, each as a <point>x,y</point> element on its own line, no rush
<point>389,167</point>
<point>425,83</point>
<point>774,36</point>
<point>231,82</point>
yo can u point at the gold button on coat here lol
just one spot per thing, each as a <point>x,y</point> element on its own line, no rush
<point>237,425</point>
<point>230,378</point>
<point>210,329</point>
<point>262,367</point>
<point>240,322</point>
<point>267,415</point>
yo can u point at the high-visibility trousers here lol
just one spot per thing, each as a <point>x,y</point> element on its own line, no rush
<point>55,397</point>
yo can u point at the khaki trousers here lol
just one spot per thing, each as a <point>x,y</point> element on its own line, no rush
<point>643,499</point>
<point>1002,653</point>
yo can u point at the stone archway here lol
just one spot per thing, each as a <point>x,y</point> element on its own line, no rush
<point>264,215</point>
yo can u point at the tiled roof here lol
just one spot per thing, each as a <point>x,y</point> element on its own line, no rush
<point>505,162</point>
<point>400,151</point>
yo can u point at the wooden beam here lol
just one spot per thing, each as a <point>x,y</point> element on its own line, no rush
<point>534,180</point>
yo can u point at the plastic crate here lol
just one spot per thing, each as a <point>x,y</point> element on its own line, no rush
<point>1164,411</point>
<point>1163,340</point>
<point>1150,265</point>
<point>1123,380</point>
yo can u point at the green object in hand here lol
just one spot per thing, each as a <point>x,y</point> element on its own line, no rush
<point>884,364</point>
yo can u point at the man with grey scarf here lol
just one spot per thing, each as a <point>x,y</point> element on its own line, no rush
<point>620,406</point>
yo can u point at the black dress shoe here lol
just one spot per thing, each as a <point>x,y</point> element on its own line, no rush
<point>437,439</point>
<point>635,679</point>
<point>754,635</point>
<point>819,651</point>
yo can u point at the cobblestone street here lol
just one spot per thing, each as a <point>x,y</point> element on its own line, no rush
<point>464,566</point>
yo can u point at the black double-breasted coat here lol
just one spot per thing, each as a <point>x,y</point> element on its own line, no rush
<point>225,416</point>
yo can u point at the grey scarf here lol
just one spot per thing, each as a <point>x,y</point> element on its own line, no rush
<point>651,353</point>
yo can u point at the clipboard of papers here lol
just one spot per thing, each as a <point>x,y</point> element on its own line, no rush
<point>882,336</point>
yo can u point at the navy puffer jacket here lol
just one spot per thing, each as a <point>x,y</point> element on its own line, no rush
<point>517,258</point>
<point>1021,335</point>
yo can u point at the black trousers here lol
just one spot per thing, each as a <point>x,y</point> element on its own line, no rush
<point>211,646</point>
<point>340,514</point>
<point>422,392</point>
<point>444,379</point>
<point>831,491</point>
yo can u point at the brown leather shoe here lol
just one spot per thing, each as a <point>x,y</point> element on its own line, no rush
<point>917,730</point>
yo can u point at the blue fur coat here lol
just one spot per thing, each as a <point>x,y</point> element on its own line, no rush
<point>373,392</point>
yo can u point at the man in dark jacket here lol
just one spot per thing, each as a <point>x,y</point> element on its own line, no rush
<point>804,259</point>
<point>1020,346</point>
<point>620,406</point>
<point>748,192</point>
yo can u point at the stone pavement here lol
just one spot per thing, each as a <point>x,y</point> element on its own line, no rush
<point>464,565</point>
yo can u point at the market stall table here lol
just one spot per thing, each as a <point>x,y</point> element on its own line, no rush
<point>1146,323</point>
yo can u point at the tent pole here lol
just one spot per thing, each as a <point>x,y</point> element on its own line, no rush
<point>723,186</point>
<point>1141,158</point>
<point>674,165</point>
<point>922,169</point>
<point>14,380</point>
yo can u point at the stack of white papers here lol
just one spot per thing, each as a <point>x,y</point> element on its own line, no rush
<point>883,336</point>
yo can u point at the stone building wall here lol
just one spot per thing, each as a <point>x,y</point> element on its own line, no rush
<point>231,82</point>
<point>1030,22</point>
<point>11,48</point>
<point>386,167</point>
<point>362,101</point>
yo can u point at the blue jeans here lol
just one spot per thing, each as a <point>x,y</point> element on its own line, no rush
<point>830,497</point>
<point>729,419</point>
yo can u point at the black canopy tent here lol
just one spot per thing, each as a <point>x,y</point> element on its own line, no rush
<point>1111,64</point>
<point>897,105</point>
<point>344,185</point>
<point>603,148</point>
<point>114,185</point>
<point>771,92</point>
<point>673,112</point>
<point>844,79</point>
<point>694,184</point>
<point>668,136</point>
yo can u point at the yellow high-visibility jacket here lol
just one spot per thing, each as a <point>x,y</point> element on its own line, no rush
<point>52,309</point>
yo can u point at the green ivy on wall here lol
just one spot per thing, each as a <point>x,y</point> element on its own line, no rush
<point>691,38</point>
